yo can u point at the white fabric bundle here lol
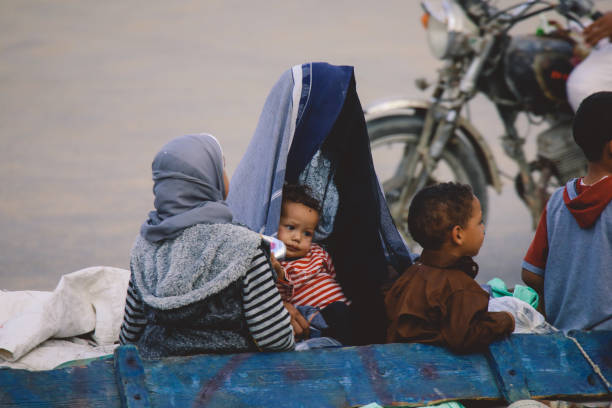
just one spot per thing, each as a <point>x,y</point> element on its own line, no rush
<point>88,300</point>
<point>526,318</point>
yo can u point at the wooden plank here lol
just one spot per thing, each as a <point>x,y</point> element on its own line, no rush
<point>418,374</point>
<point>91,385</point>
<point>508,371</point>
<point>598,345</point>
<point>130,377</point>
<point>409,374</point>
<point>555,368</point>
<point>395,374</point>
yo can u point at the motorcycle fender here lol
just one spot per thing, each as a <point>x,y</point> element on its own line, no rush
<point>410,107</point>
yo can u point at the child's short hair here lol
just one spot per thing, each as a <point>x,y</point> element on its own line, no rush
<point>297,193</point>
<point>593,124</point>
<point>435,210</point>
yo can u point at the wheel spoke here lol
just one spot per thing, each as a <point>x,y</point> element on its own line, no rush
<point>394,183</point>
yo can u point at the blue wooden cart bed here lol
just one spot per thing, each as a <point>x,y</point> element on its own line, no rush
<point>521,367</point>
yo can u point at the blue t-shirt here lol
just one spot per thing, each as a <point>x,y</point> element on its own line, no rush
<point>578,271</point>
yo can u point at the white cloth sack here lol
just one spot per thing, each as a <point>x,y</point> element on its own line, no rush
<point>88,300</point>
<point>53,352</point>
<point>592,75</point>
<point>526,318</point>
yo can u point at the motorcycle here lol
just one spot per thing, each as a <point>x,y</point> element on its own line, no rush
<point>432,142</point>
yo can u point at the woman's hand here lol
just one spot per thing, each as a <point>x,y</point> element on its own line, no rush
<point>600,28</point>
<point>301,328</point>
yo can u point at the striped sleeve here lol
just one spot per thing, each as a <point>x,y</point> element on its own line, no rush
<point>134,319</point>
<point>267,319</point>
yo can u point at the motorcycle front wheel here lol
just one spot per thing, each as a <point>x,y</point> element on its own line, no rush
<point>393,141</point>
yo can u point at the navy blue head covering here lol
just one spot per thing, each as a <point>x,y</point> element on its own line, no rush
<point>188,187</point>
<point>323,94</point>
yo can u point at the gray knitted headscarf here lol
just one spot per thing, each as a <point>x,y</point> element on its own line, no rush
<point>188,187</point>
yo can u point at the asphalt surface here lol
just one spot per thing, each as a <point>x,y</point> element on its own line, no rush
<point>91,90</point>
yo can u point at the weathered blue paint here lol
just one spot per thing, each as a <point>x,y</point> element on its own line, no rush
<point>599,348</point>
<point>91,385</point>
<point>554,366</point>
<point>130,377</point>
<point>506,365</point>
<point>524,366</point>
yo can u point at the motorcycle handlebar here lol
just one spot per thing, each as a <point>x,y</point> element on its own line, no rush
<point>581,8</point>
<point>573,9</point>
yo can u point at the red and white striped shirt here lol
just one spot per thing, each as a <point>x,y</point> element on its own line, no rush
<point>312,280</point>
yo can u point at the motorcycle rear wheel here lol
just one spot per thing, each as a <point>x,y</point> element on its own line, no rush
<point>392,138</point>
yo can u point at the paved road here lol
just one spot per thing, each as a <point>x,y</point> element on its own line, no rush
<point>91,90</point>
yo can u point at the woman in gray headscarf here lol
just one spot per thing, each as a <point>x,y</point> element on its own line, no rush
<point>199,283</point>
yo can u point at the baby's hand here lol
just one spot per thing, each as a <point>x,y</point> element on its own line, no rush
<point>280,271</point>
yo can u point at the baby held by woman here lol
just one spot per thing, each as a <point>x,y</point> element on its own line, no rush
<point>308,279</point>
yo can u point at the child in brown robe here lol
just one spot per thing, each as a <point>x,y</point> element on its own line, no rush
<point>436,300</point>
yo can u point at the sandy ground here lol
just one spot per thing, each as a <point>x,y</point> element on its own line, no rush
<point>91,90</point>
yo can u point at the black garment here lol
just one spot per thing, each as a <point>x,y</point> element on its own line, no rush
<point>364,240</point>
<point>337,315</point>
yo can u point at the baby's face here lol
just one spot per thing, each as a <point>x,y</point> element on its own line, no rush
<point>296,228</point>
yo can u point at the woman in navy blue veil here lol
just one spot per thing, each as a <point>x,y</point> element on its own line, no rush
<point>312,131</point>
